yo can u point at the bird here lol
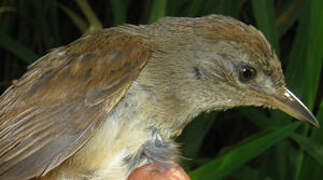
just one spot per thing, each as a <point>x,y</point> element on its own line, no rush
<point>116,99</point>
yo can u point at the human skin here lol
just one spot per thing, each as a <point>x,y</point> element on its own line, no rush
<point>156,172</point>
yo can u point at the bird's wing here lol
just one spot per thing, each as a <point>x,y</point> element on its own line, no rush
<point>47,115</point>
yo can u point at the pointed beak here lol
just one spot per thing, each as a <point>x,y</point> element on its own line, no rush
<point>290,104</point>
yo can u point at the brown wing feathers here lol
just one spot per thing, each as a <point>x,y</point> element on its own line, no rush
<point>56,106</point>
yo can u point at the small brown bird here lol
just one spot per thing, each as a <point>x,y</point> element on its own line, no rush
<point>114,100</point>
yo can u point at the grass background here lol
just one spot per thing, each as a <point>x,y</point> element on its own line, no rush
<point>242,143</point>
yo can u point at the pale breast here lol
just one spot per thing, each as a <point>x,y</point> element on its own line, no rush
<point>120,137</point>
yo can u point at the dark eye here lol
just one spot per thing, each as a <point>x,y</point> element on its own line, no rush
<point>246,73</point>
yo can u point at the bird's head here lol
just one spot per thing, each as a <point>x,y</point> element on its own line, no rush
<point>232,64</point>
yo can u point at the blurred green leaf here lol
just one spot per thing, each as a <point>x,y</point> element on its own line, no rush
<point>264,14</point>
<point>247,173</point>
<point>280,158</point>
<point>288,15</point>
<point>119,9</point>
<point>305,59</point>
<point>94,21</point>
<point>314,53</point>
<point>53,15</point>
<point>317,133</point>
<point>5,9</point>
<point>225,164</point>
<point>224,7</point>
<point>307,51</point>
<point>228,7</point>
<point>17,48</point>
<point>311,169</point>
<point>40,23</point>
<point>195,7</point>
<point>313,149</point>
<point>76,19</point>
<point>174,6</point>
<point>158,10</point>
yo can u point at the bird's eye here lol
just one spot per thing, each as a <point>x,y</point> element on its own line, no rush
<point>246,73</point>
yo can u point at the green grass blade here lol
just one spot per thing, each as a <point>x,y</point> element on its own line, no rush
<point>174,6</point>
<point>195,7</point>
<point>224,7</point>
<point>304,62</point>
<point>313,149</point>
<point>53,15</point>
<point>158,10</point>
<point>309,42</point>
<point>228,7</point>
<point>76,19</point>
<point>40,31</point>
<point>317,133</point>
<point>95,23</point>
<point>16,48</point>
<point>247,173</point>
<point>224,165</point>
<point>288,15</point>
<point>265,18</point>
<point>119,9</point>
<point>314,53</point>
<point>311,168</point>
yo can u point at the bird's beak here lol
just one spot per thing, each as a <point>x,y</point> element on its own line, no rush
<point>290,104</point>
